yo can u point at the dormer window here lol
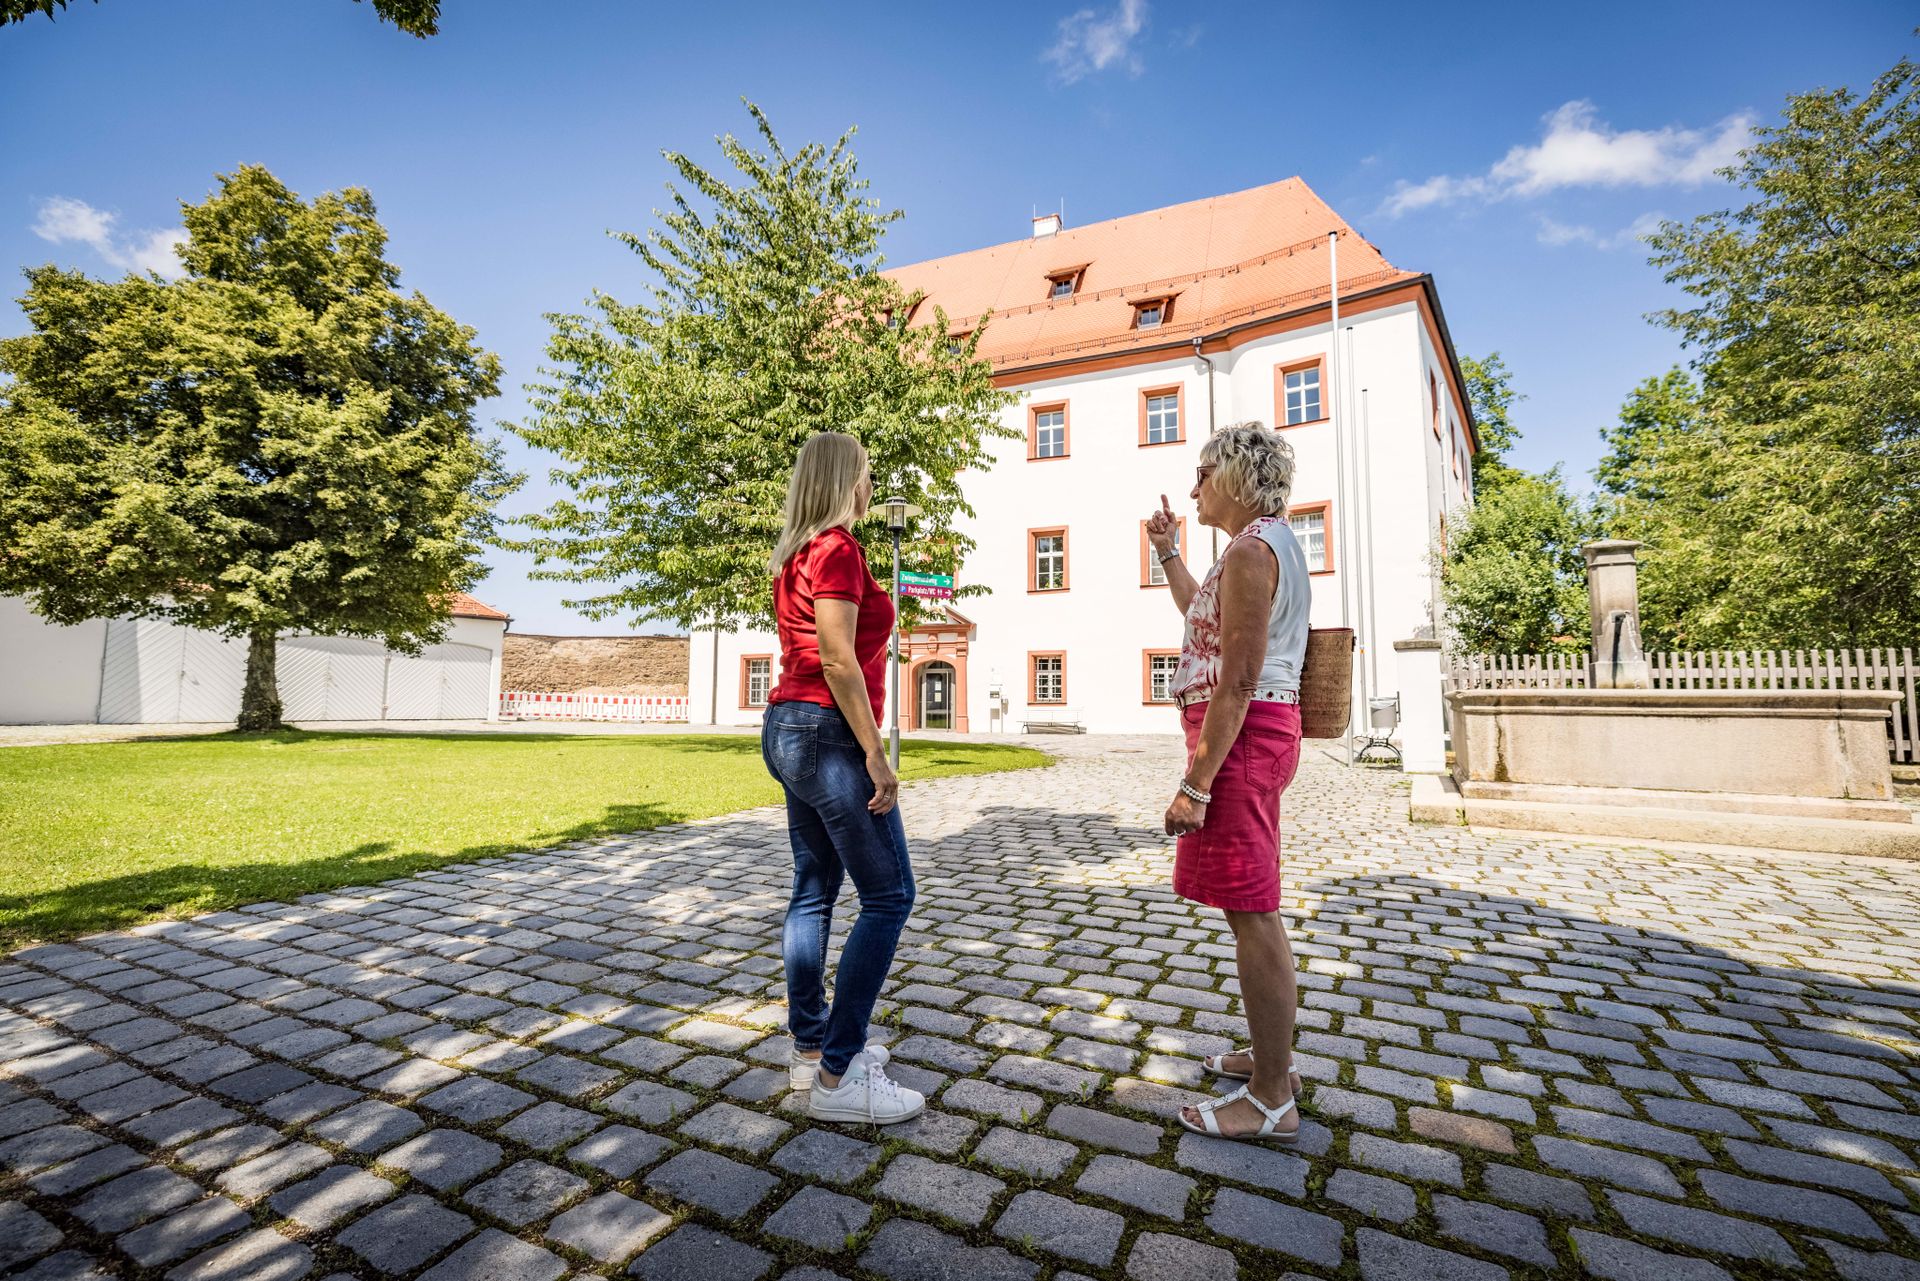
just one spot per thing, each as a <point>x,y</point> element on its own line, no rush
<point>1065,282</point>
<point>957,343</point>
<point>1151,313</point>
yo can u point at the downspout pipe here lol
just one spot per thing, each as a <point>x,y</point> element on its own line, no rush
<point>1211,427</point>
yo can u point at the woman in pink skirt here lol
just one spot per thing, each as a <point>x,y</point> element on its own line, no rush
<point>1238,687</point>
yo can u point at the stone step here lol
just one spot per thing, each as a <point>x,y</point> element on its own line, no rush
<point>1702,827</point>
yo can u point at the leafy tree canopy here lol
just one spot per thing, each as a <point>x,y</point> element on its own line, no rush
<point>1658,410</point>
<point>415,17</point>
<point>1491,396</point>
<point>1787,511</point>
<point>280,439</point>
<point>678,419</point>
<point>1513,578</point>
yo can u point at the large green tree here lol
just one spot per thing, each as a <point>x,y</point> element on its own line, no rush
<point>1511,573</point>
<point>1513,579</point>
<point>415,17</point>
<point>280,439</point>
<point>678,419</point>
<point>1658,411</point>
<point>1491,397</point>
<point>1788,510</point>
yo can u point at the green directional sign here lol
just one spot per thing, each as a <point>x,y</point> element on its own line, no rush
<point>926,586</point>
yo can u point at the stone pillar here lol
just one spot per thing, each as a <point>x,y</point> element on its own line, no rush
<point>1613,601</point>
<point>1423,734</point>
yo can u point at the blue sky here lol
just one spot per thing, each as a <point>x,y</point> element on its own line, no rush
<point>1513,151</point>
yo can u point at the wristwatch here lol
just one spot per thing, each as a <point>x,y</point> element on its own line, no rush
<point>1167,555</point>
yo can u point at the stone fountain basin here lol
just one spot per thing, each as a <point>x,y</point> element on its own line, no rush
<point>1817,753</point>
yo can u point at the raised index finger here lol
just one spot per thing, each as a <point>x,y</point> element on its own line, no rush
<point>1165,506</point>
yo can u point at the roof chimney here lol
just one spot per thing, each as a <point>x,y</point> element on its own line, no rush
<point>1047,224</point>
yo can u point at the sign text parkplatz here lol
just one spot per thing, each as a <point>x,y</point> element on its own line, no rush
<point>926,586</point>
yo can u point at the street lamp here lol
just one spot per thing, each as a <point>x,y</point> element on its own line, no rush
<point>899,511</point>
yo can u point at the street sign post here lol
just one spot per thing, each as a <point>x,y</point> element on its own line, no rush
<point>926,586</point>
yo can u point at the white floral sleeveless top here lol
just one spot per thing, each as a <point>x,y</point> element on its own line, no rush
<point>1199,669</point>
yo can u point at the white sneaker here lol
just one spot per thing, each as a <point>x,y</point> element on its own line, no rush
<point>868,1095</point>
<point>801,1070</point>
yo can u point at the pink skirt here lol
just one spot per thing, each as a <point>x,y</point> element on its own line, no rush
<point>1233,861</point>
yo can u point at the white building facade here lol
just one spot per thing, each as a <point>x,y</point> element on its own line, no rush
<point>1148,333</point>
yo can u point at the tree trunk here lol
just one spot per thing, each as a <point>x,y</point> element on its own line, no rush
<point>260,698</point>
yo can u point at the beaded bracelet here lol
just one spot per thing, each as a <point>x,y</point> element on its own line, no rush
<point>1205,798</point>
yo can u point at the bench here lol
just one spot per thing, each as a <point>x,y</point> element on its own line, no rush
<point>1061,720</point>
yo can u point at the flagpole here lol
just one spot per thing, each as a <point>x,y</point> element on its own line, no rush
<point>1337,414</point>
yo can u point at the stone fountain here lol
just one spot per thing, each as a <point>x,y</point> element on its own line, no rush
<point>1783,769</point>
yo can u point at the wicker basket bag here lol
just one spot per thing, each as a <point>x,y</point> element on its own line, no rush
<point>1326,683</point>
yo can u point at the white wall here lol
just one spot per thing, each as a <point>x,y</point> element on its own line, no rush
<point>49,675</point>
<point>1108,484</point>
<point>53,674</point>
<point>490,634</point>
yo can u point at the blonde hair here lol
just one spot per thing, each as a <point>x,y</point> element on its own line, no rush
<point>1252,466</point>
<point>821,494</point>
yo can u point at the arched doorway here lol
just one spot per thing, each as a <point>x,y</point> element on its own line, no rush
<point>934,695</point>
<point>942,638</point>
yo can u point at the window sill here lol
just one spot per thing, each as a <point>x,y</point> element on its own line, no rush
<point>1306,422</point>
<point>1162,444</point>
<point>1048,458</point>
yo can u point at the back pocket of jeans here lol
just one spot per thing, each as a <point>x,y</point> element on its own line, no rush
<point>1266,759</point>
<point>792,749</point>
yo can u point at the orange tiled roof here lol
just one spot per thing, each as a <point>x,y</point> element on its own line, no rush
<point>465,606</point>
<point>1226,260</point>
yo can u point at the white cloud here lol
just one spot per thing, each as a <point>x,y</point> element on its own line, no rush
<point>64,220</point>
<point>1635,232</point>
<point>153,251</point>
<point>1578,149</point>
<point>1440,190</point>
<point>1090,41</point>
<point>1560,233</point>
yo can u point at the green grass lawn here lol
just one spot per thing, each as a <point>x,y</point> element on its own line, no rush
<point>101,835</point>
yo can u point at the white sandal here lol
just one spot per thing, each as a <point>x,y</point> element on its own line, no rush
<point>1209,1125</point>
<point>1212,1064</point>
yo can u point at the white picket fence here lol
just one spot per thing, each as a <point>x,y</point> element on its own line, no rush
<point>537,705</point>
<point>1517,671</point>
<point>1888,669</point>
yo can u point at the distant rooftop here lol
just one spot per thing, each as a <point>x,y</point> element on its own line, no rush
<point>465,606</point>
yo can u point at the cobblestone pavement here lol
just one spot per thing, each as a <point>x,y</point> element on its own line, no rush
<point>1525,1057</point>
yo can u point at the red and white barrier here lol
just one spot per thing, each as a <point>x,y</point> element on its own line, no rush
<point>535,705</point>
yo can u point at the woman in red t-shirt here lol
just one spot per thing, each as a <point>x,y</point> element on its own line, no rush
<point>821,739</point>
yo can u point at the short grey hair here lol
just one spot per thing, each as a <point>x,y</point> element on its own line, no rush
<point>1251,465</point>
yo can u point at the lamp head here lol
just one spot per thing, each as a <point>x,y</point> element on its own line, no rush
<point>899,511</point>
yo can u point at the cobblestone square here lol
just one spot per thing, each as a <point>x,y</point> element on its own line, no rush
<point>1524,1057</point>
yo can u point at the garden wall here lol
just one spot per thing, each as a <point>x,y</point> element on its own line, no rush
<point>596,664</point>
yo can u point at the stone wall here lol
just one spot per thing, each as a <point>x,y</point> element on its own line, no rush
<point>596,664</point>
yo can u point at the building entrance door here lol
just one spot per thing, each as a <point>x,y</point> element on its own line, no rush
<point>936,696</point>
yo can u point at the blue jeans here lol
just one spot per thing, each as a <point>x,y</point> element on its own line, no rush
<point>812,751</point>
